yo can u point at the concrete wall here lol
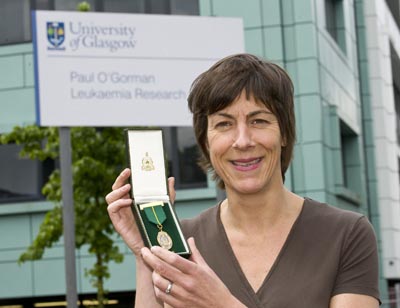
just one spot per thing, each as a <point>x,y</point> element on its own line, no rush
<point>382,30</point>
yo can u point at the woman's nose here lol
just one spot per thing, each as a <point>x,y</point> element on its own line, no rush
<point>243,138</point>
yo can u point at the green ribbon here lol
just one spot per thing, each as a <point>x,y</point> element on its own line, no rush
<point>155,214</point>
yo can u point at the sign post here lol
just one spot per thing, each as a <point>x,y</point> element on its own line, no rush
<point>68,216</point>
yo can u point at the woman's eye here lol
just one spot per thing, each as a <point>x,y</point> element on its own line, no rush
<point>223,124</point>
<point>260,122</point>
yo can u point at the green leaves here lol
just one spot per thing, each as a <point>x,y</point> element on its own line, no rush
<point>38,142</point>
<point>49,232</point>
<point>98,156</point>
<point>83,6</point>
<point>52,189</point>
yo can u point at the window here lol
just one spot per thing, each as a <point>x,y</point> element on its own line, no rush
<point>351,165</point>
<point>334,19</point>
<point>182,155</point>
<point>394,7</point>
<point>344,161</point>
<point>397,107</point>
<point>395,64</point>
<point>15,21</point>
<point>21,178</point>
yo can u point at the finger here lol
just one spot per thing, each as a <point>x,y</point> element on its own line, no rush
<point>181,264</point>
<point>121,178</point>
<point>196,256</point>
<point>116,206</point>
<point>170,294</point>
<point>160,266</point>
<point>168,299</point>
<point>119,193</point>
<point>164,284</point>
<point>171,189</point>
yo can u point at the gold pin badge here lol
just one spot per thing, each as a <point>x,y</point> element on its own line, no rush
<point>147,163</point>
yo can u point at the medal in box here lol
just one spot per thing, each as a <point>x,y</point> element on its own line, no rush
<point>154,214</point>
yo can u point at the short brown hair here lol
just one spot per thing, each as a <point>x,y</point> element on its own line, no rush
<point>222,84</point>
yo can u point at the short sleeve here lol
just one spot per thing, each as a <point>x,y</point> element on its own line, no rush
<point>358,269</point>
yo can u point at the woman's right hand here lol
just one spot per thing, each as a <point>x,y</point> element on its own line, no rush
<point>120,212</point>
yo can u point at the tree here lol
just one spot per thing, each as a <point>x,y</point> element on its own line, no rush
<point>98,156</point>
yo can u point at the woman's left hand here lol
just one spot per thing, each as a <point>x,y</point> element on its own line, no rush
<point>194,283</point>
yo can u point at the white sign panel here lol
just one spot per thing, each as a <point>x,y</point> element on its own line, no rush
<point>106,69</point>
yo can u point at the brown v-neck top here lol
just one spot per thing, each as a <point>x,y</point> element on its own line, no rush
<point>328,251</point>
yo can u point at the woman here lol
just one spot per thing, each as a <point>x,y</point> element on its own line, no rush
<point>263,246</point>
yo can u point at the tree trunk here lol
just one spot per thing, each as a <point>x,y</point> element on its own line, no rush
<point>100,283</point>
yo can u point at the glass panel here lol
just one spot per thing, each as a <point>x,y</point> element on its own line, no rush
<point>335,25</point>
<point>71,5</point>
<point>157,7</point>
<point>189,171</point>
<point>330,17</point>
<point>20,178</point>
<point>182,156</point>
<point>351,163</point>
<point>43,5</point>
<point>395,65</point>
<point>179,7</point>
<point>168,150</point>
<point>394,7</point>
<point>14,21</point>
<point>184,7</point>
<point>124,6</point>
<point>397,107</point>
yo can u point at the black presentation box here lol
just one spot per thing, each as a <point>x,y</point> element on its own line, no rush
<point>152,208</point>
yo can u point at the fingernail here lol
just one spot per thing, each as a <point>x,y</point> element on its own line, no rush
<point>155,249</point>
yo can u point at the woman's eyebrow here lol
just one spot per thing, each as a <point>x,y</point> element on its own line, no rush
<point>257,112</point>
<point>251,114</point>
<point>226,115</point>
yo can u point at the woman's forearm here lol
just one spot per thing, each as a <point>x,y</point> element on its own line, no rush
<point>145,297</point>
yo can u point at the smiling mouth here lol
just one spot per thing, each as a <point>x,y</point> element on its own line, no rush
<point>246,163</point>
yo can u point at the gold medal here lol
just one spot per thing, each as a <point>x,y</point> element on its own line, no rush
<point>164,240</point>
<point>155,214</point>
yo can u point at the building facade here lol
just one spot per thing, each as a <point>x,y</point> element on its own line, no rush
<point>344,59</point>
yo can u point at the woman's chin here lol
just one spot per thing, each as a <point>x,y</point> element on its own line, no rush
<point>247,187</point>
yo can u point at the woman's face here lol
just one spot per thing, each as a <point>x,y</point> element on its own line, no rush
<point>244,142</point>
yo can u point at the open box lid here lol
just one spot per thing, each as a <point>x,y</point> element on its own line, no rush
<point>146,155</point>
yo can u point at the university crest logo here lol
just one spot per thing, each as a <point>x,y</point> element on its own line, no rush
<point>55,35</point>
